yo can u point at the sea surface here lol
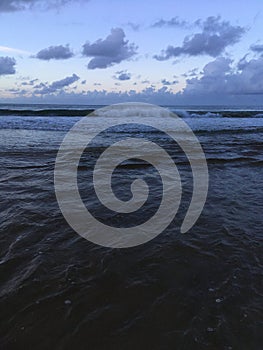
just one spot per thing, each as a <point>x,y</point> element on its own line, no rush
<point>199,290</point>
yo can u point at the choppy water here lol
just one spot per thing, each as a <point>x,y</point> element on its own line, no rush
<point>201,290</point>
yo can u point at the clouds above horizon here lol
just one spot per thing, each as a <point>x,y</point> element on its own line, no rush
<point>21,5</point>
<point>59,52</point>
<point>7,65</point>
<point>220,80</point>
<point>104,52</point>
<point>215,37</point>
<point>114,49</point>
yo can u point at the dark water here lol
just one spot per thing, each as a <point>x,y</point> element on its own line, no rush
<point>200,290</point>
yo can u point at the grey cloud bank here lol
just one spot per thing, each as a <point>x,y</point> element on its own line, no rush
<point>221,82</point>
<point>149,95</point>
<point>173,22</point>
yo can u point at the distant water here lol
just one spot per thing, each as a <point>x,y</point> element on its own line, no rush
<point>201,290</point>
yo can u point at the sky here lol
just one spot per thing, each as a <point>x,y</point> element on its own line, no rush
<point>168,52</point>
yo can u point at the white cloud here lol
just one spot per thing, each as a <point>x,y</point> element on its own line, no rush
<point>11,49</point>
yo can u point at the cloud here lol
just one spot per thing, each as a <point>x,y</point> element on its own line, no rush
<point>191,73</point>
<point>167,83</point>
<point>122,75</point>
<point>221,77</point>
<point>216,35</point>
<point>213,77</point>
<point>21,5</point>
<point>44,89</point>
<point>17,91</point>
<point>29,83</point>
<point>173,22</point>
<point>65,82</point>
<point>258,48</point>
<point>40,86</point>
<point>114,49</point>
<point>59,52</point>
<point>150,95</point>
<point>134,26</point>
<point>11,49</point>
<point>7,65</point>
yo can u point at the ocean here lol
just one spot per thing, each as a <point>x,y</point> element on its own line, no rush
<point>198,290</point>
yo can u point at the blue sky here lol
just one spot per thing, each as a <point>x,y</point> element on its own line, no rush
<point>101,51</point>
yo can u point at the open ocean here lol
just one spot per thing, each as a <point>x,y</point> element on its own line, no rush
<point>202,290</point>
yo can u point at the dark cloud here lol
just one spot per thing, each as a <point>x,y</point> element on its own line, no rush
<point>173,22</point>
<point>167,82</point>
<point>59,52</point>
<point>122,75</point>
<point>216,35</point>
<point>83,82</point>
<point>21,5</point>
<point>114,49</point>
<point>258,48</point>
<point>44,89</point>
<point>7,65</point>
